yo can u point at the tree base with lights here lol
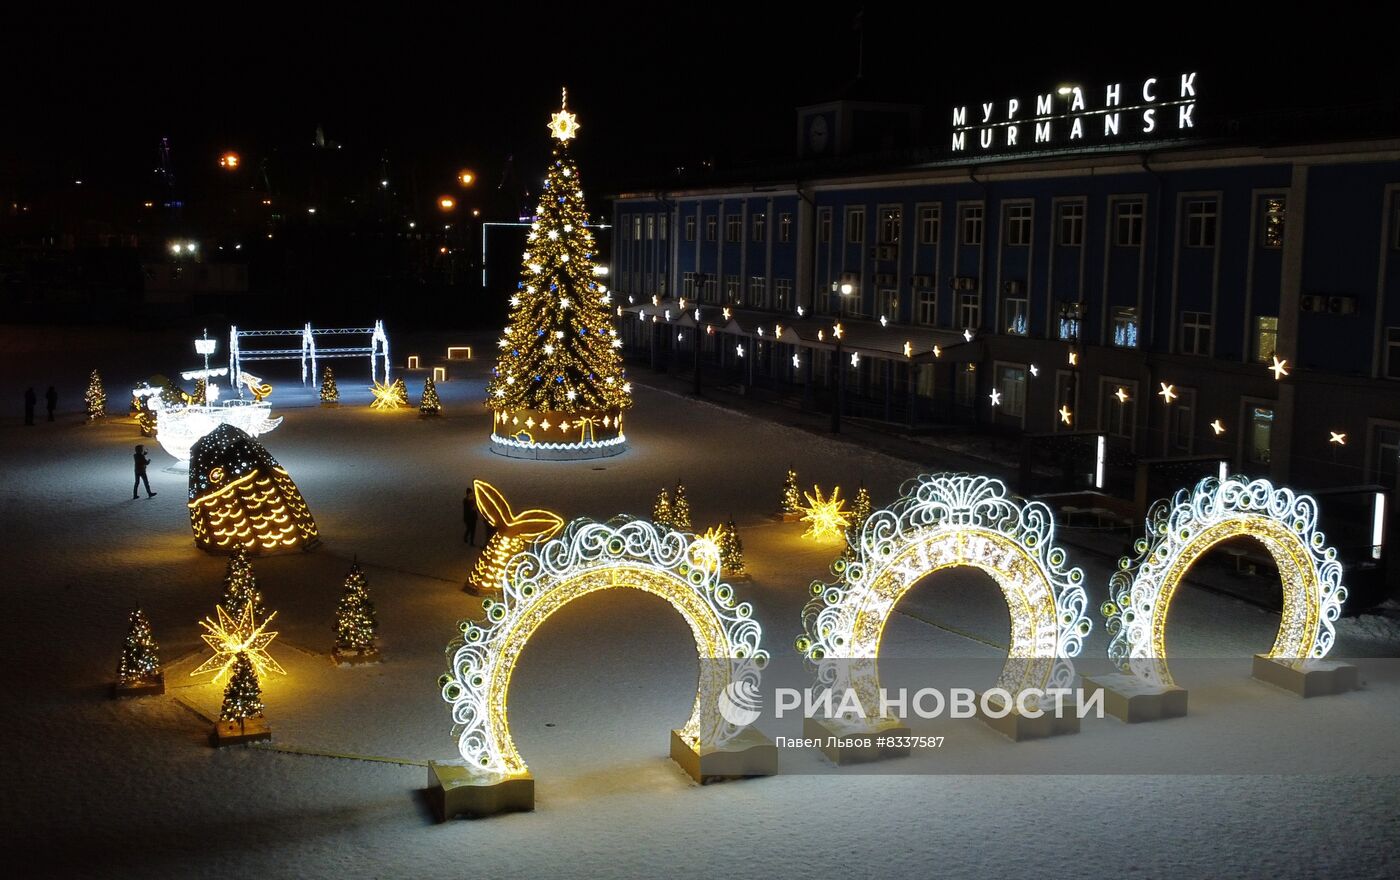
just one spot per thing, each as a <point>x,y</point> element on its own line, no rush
<point>557,436</point>
<point>239,731</point>
<point>150,686</point>
<point>354,656</point>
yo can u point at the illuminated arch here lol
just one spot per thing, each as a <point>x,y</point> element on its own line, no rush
<point>588,557</point>
<point>1181,530</point>
<point>942,521</point>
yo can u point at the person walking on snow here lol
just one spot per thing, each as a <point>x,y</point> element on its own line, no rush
<point>141,462</point>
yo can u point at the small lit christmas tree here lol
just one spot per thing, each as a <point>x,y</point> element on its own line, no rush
<point>139,671</point>
<point>201,393</point>
<point>430,406</point>
<point>661,510</point>
<point>792,501</point>
<point>400,391</point>
<point>243,695</point>
<point>330,394</point>
<point>680,510</point>
<point>559,378</point>
<point>860,512</point>
<point>95,398</point>
<point>731,551</point>
<point>241,587</point>
<point>355,622</point>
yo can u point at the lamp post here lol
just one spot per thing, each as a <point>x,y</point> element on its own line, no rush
<point>843,290</point>
<point>699,285</point>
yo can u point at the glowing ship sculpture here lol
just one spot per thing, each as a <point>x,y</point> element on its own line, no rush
<point>240,497</point>
<point>178,427</point>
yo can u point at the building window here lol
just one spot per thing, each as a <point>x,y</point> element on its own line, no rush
<point>1265,337</point>
<point>1181,432</point>
<point>1195,333</point>
<point>890,222</point>
<point>651,227</point>
<point>688,285</point>
<point>966,390</point>
<point>926,301</point>
<point>1072,224</point>
<point>1385,457</point>
<point>690,228</point>
<point>785,228</point>
<point>637,228</point>
<point>855,225</point>
<point>760,227</point>
<point>889,303</point>
<point>1017,310</point>
<point>732,294</point>
<point>758,293</point>
<point>1011,382</point>
<point>712,228</point>
<point>1125,326</point>
<point>1273,222</point>
<point>733,227</point>
<point>1200,223</point>
<point>662,221</point>
<point>1018,225</point>
<point>824,225</point>
<point>928,224</point>
<point>1071,321</point>
<point>1258,430</point>
<point>972,224</point>
<point>1119,411</point>
<point>969,311</point>
<point>782,294</point>
<point>711,289</point>
<point>1128,228</point>
<point>1392,352</point>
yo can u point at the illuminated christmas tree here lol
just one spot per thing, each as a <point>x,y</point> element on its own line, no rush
<point>139,670</point>
<point>330,394</point>
<point>680,510</point>
<point>430,406</point>
<point>792,502</point>
<point>243,695</point>
<point>241,587</point>
<point>400,392</point>
<point>95,398</point>
<point>731,551</point>
<point>355,622</point>
<point>860,512</point>
<point>558,388</point>
<point>661,510</point>
<point>200,397</point>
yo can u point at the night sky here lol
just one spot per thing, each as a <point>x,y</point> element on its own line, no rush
<point>656,85</point>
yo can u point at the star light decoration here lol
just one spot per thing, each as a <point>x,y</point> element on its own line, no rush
<point>1279,368</point>
<point>1168,392</point>
<point>386,396</point>
<point>1065,414</point>
<point>1218,427</point>
<point>996,397</point>
<point>1121,394</point>
<point>1337,438</point>
<point>564,125</point>
<point>229,638</point>
<point>826,517</point>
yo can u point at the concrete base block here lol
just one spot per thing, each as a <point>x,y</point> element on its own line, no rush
<point>1132,699</point>
<point>146,687</point>
<point>232,733</point>
<point>458,791</point>
<point>354,656</point>
<point>749,753</point>
<point>855,739</point>
<point>1018,727</point>
<point>1307,678</point>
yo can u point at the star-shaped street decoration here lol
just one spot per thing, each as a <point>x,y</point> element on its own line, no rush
<point>1121,394</point>
<point>1218,427</point>
<point>1065,414</point>
<point>1168,392</point>
<point>1279,368</point>
<point>229,638</point>
<point>996,397</point>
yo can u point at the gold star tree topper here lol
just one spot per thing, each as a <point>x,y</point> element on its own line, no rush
<point>564,125</point>
<point>229,638</point>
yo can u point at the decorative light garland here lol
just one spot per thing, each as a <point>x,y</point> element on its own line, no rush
<point>1182,529</point>
<point>944,521</point>
<point>586,558</point>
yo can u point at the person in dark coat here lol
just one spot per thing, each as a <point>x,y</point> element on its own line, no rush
<point>30,399</point>
<point>51,398</point>
<point>469,517</point>
<point>141,462</point>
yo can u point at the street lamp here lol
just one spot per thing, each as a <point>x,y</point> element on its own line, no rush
<point>466,178</point>
<point>843,289</point>
<point>699,286</point>
<point>446,203</point>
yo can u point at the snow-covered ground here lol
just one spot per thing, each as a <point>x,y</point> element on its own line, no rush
<point>103,787</point>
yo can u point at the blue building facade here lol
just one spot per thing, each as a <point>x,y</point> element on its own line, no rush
<point>1186,299</point>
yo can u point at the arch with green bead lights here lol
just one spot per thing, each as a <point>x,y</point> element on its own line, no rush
<point>943,521</point>
<point>587,557</point>
<point>1180,530</point>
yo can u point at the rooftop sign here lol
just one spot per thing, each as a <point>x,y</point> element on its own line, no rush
<point>1067,117</point>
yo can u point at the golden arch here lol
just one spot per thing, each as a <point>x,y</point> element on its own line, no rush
<point>586,558</point>
<point>943,521</point>
<point>1183,529</point>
